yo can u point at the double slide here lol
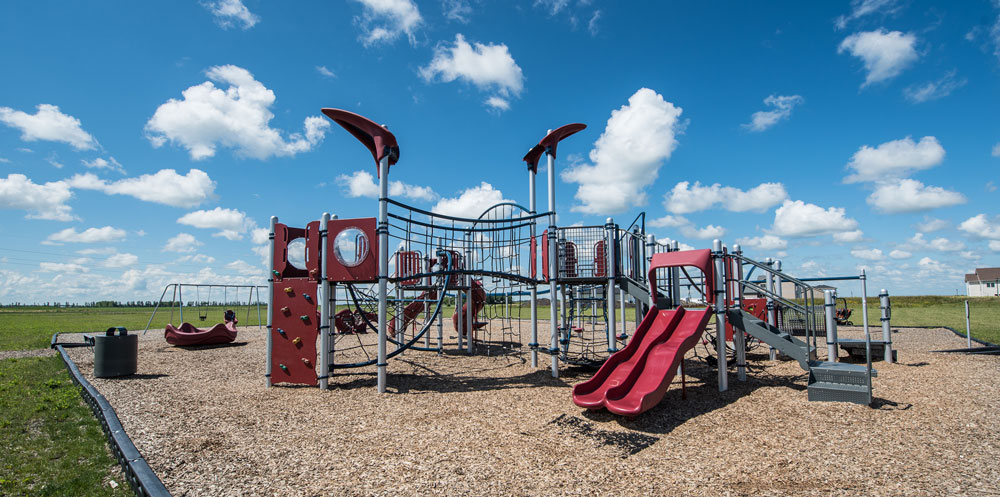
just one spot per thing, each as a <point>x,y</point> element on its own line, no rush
<point>636,378</point>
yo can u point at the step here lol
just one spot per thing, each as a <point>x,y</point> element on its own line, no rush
<point>856,349</point>
<point>838,392</point>
<point>840,372</point>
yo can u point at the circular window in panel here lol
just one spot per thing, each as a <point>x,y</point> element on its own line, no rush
<point>350,247</point>
<point>297,253</point>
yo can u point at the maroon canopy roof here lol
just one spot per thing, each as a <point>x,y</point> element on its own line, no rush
<point>379,141</point>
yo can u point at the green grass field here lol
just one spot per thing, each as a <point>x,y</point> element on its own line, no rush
<point>984,313</point>
<point>50,442</point>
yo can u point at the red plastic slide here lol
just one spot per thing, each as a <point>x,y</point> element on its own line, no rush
<point>478,300</point>
<point>635,379</point>
<point>187,334</point>
<point>411,311</point>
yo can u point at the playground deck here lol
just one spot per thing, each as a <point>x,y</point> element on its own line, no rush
<point>492,425</point>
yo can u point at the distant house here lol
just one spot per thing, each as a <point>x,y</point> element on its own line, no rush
<point>985,282</point>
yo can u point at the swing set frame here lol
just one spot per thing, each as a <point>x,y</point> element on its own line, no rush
<point>177,299</point>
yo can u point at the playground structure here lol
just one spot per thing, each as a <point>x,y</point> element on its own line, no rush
<point>187,334</point>
<point>321,310</point>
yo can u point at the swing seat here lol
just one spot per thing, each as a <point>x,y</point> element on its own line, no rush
<point>188,334</point>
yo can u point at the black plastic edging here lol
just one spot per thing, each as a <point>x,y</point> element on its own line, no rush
<point>140,476</point>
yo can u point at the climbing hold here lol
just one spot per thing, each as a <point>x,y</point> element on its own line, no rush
<point>306,362</point>
<point>304,318</point>
<point>307,297</point>
<point>288,289</point>
<point>297,340</point>
<point>276,273</point>
<point>283,367</point>
<point>281,332</point>
<point>285,310</point>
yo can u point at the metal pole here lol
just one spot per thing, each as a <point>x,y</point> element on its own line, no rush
<point>968,326</point>
<point>180,297</point>
<point>461,322</point>
<point>533,263</point>
<point>553,267</point>
<point>675,277</point>
<point>830,306</point>
<point>155,308</point>
<point>621,295</point>
<point>771,317</point>
<point>868,337</point>
<point>720,314</point>
<point>609,242</point>
<point>324,313</point>
<point>469,325</point>
<point>270,301</point>
<point>883,297</point>
<point>739,339</point>
<point>383,267</point>
<point>651,249</point>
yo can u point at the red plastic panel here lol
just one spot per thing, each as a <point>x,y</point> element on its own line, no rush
<point>282,236</point>
<point>379,141</point>
<point>367,270</point>
<point>569,254</point>
<point>551,140</point>
<point>313,245</point>
<point>294,331</point>
<point>600,259</point>
<point>701,259</point>
<point>408,263</point>
<point>533,257</point>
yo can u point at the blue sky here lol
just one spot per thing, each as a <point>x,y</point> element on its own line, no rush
<point>146,143</point>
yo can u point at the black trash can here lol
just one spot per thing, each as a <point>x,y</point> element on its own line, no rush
<point>115,354</point>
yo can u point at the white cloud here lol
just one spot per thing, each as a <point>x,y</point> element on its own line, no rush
<point>708,232</point>
<point>183,243</point>
<point>981,227</point>
<point>244,268</point>
<point>498,103</point>
<point>164,187</point>
<point>63,267</point>
<point>995,152</point>
<point>968,254</point>
<point>894,159</point>
<point>237,117</point>
<point>910,195</point>
<point>490,68</point>
<point>783,105</point>
<point>868,254</point>
<point>231,223</point>
<point>945,245</point>
<point>471,202</point>
<point>101,163</point>
<point>47,201</point>
<point>861,8</point>
<point>627,157</point>
<point>900,254</point>
<point>362,184</point>
<point>121,260</point>
<point>384,20</point>
<point>230,13</point>
<point>931,265</point>
<point>796,218</point>
<point>930,225</point>
<point>933,90</point>
<point>592,23</point>
<point>553,6</point>
<point>669,221</point>
<point>685,198</point>
<point>456,10</point>
<point>885,53</point>
<point>48,124</point>
<point>196,259</point>
<point>766,242</point>
<point>106,234</point>
<point>323,71</point>
<point>848,236</point>
<point>259,235</point>
<point>994,245</point>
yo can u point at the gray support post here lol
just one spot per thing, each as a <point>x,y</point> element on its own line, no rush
<point>553,267</point>
<point>883,298</point>
<point>180,296</point>
<point>324,310</point>
<point>675,277</point>
<point>968,326</point>
<point>830,306</point>
<point>651,249</point>
<point>470,327</point>
<point>771,318</point>
<point>720,314</point>
<point>383,267</point>
<point>868,336</point>
<point>621,303</point>
<point>270,301</point>
<point>461,322</point>
<point>533,263</point>
<point>739,338</point>
<point>609,241</point>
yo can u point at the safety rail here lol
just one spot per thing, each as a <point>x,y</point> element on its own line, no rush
<point>809,299</point>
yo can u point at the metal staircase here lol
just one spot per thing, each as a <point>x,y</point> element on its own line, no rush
<point>828,381</point>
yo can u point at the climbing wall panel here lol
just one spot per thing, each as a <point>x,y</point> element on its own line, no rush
<point>294,331</point>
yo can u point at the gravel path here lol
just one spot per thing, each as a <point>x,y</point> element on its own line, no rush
<point>15,354</point>
<point>492,425</point>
